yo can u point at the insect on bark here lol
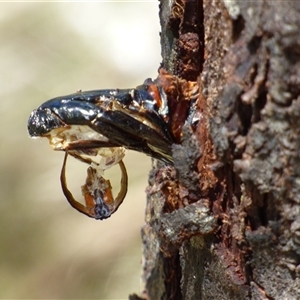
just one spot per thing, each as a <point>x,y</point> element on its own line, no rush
<point>147,119</point>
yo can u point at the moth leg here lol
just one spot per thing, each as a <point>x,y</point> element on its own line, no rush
<point>99,201</point>
<point>124,185</point>
<point>77,205</point>
<point>81,158</point>
<point>98,195</point>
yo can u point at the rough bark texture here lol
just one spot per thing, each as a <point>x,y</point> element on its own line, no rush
<point>224,222</point>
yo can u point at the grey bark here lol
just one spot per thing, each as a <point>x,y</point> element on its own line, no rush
<point>237,236</point>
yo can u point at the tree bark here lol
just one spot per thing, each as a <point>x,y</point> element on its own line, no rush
<point>224,222</point>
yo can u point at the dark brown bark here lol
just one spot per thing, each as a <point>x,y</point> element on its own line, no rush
<point>224,223</point>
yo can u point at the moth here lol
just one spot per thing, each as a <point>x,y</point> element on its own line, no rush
<point>103,123</point>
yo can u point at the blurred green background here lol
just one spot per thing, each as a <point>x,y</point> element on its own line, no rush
<point>48,250</point>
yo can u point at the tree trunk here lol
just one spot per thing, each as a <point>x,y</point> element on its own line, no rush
<point>224,222</point>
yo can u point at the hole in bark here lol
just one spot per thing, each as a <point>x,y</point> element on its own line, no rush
<point>254,44</point>
<point>238,26</point>
<point>244,112</point>
<point>174,26</point>
<point>259,215</point>
<point>292,52</point>
<point>263,211</point>
<point>173,275</point>
<point>259,105</point>
<point>257,211</point>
